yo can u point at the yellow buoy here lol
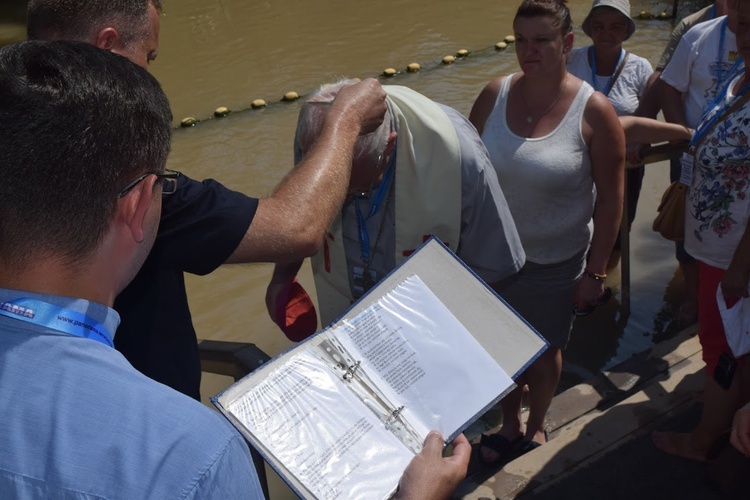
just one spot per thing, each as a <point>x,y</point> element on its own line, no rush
<point>290,96</point>
<point>221,111</point>
<point>389,72</point>
<point>188,122</point>
<point>664,15</point>
<point>449,60</point>
<point>462,53</point>
<point>258,103</point>
<point>501,46</point>
<point>509,39</point>
<point>645,15</point>
<point>413,67</point>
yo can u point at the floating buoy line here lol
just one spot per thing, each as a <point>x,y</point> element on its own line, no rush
<point>387,74</point>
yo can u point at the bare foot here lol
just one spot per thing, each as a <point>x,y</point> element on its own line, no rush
<point>677,443</point>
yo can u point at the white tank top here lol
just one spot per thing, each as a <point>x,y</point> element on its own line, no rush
<point>546,180</point>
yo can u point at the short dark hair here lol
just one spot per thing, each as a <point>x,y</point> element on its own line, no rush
<point>556,9</point>
<point>79,19</point>
<point>77,123</point>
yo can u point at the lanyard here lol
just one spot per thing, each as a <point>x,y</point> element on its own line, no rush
<point>364,237</point>
<point>610,82</point>
<point>716,110</point>
<point>57,318</point>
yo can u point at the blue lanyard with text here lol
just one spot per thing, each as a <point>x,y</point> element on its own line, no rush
<point>610,82</point>
<point>364,237</point>
<point>56,318</point>
<point>716,111</point>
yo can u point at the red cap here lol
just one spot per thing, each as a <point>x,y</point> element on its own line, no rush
<point>295,313</point>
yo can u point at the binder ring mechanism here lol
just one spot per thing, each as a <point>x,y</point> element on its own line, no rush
<point>351,371</point>
<point>394,416</point>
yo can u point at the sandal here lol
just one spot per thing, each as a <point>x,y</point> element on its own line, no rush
<point>528,446</point>
<point>501,445</point>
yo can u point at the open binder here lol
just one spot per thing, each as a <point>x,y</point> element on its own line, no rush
<point>341,414</point>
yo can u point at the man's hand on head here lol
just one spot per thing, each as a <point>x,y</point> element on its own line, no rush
<point>364,100</point>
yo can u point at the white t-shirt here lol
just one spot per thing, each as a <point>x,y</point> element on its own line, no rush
<point>697,68</point>
<point>627,89</point>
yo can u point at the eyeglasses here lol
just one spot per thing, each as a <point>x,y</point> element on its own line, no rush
<point>168,182</point>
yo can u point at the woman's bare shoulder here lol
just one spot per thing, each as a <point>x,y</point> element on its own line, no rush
<point>485,102</point>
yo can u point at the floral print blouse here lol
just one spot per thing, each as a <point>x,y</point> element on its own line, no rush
<point>718,203</point>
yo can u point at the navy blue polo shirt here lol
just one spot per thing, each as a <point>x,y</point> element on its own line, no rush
<point>202,223</point>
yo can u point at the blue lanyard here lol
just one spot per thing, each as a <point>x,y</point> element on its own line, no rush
<point>56,318</point>
<point>716,110</point>
<point>610,82</point>
<point>364,236</point>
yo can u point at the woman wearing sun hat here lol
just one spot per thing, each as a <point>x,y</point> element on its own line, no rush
<point>610,69</point>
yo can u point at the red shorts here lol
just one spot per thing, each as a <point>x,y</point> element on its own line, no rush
<point>710,328</point>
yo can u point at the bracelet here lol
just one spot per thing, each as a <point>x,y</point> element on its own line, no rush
<point>594,276</point>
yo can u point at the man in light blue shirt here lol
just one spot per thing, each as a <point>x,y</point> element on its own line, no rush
<point>76,221</point>
<point>84,137</point>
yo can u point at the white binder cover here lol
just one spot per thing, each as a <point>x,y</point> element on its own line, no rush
<point>341,414</point>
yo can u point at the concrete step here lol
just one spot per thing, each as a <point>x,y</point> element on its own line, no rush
<point>592,419</point>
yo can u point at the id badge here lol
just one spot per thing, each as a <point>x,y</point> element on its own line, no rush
<point>686,172</point>
<point>362,281</point>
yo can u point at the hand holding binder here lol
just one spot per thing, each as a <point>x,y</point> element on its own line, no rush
<point>430,475</point>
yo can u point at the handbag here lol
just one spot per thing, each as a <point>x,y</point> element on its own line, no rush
<point>670,220</point>
<point>736,320</point>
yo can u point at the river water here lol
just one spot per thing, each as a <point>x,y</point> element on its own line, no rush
<point>230,52</point>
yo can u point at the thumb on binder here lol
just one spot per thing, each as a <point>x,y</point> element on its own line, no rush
<point>430,475</point>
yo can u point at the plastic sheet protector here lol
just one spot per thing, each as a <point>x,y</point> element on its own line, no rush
<point>347,415</point>
<point>341,414</point>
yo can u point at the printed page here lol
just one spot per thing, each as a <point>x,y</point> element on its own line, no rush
<point>421,357</point>
<point>314,425</point>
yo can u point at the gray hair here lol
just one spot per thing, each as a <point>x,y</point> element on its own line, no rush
<point>313,113</point>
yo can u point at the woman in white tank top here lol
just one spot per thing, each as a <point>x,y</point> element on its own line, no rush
<point>559,152</point>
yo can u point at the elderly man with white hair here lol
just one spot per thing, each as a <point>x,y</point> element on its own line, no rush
<point>424,172</point>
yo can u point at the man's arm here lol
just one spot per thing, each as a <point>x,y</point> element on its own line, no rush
<point>290,224</point>
<point>430,475</point>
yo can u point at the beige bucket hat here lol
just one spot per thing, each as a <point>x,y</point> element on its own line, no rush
<point>622,6</point>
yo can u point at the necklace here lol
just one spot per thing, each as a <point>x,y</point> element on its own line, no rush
<point>530,117</point>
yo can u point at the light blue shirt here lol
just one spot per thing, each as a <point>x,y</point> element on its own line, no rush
<point>78,421</point>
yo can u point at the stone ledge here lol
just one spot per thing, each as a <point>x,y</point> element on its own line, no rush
<point>591,419</point>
